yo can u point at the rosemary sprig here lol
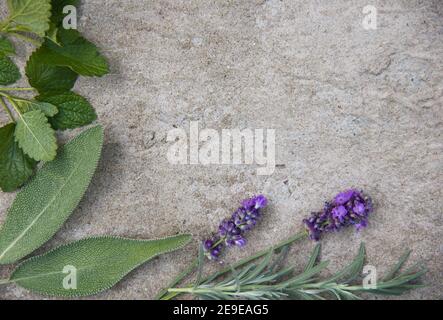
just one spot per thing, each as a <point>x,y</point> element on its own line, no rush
<point>269,279</point>
<point>165,295</point>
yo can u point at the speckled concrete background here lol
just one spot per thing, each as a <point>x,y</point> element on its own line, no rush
<point>350,107</point>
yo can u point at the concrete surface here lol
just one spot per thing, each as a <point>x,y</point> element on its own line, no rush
<point>351,107</point>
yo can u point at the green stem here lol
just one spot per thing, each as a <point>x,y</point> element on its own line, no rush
<point>7,109</point>
<point>260,254</point>
<point>240,263</point>
<point>35,42</point>
<point>228,290</point>
<point>163,294</point>
<point>4,281</point>
<point>16,89</point>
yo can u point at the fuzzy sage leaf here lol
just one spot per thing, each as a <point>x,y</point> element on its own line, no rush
<point>96,264</point>
<point>44,204</point>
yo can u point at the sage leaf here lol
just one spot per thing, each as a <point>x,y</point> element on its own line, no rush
<point>35,136</point>
<point>29,16</point>
<point>74,52</point>
<point>15,166</point>
<point>74,110</point>
<point>48,78</point>
<point>29,105</point>
<point>6,47</point>
<point>9,72</point>
<point>44,204</point>
<point>92,265</point>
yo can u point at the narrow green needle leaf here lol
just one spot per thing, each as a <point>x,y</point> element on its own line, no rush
<point>397,266</point>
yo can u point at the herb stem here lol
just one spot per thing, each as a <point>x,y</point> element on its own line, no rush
<point>2,102</point>
<point>25,38</point>
<point>163,294</point>
<point>4,281</point>
<point>16,89</point>
<point>259,254</point>
<point>295,237</point>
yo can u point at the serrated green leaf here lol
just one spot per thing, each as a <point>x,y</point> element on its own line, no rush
<point>57,9</point>
<point>74,110</point>
<point>9,72</point>
<point>15,166</point>
<point>29,16</point>
<point>44,204</point>
<point>48,78</point>
<point>6,47</point>
<point>35,136</point>
<point>30,105</point>
<point>98,263</point>
<point>74,52</point>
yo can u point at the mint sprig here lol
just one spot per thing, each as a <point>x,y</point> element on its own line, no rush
<point>52,70</point>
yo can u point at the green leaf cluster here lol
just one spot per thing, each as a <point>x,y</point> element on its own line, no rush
<point>52,71</point>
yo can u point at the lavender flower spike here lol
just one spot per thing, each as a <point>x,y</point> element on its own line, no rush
<point>350,207</point>
<point>231,231</point>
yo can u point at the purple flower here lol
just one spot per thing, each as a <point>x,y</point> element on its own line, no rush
<point>212,248</point>
<point>345,196</point>
<point>231,231</point>
<point>339,213</point>
<point>236,240</point>
<point>359,208</point>
<point>361,224</point>
<point>350,207</point>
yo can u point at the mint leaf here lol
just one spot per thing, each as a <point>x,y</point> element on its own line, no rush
<point>73,110</point>
<point>15,166</point>
<point>29,105</point>
<point>29,16</point>
<point>57,10</point>
<point>9,72</point>
<point>48,78</point>
<point>74,52</point>
<point>99,263</point>
<point>35,136</point>
<point>43,205</point>
<point>6,47</point>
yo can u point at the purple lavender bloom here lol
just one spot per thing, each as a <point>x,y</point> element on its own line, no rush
<point>339,213</point>
<point>212,248</point>
<point>350,207</point>
<point>231,231</point>
<point>236,240</point>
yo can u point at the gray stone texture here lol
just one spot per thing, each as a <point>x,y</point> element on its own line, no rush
<point>351,108</point>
